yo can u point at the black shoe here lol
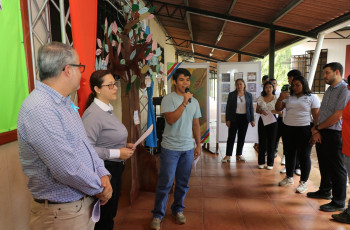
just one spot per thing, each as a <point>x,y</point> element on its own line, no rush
<point>342,217</point>
<point>331,207</point>
<point>319,195</point>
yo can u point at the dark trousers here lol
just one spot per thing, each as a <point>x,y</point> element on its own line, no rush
<point>298,147</point>
<point>279,134</point>
<point>297,164</point>
<point>239,125</point>
<point>109,210</point>
<point>331,163</point>
<point>267,141</point>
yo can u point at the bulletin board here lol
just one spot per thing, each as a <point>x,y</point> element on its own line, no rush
<point>250,72</point>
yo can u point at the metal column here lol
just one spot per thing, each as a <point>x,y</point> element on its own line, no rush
<point>272,54</point>
<point>315,58</point>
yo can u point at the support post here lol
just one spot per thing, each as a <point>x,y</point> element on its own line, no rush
<point>315,58</point>
<point>62,21</point>
<point>239,57</point>
<point>272,54</point>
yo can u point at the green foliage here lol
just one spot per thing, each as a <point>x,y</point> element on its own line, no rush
<point>282,65</point>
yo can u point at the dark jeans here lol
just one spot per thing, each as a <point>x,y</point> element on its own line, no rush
<point>279,134</point>
<point>297,146</point>
<point>331,163</point>
<point>297,164</point>
<point>109,210</point>
<point>239,125</point>
<point>267,141</point>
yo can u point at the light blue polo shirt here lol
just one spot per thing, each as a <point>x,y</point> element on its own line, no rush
<point>178,137</point>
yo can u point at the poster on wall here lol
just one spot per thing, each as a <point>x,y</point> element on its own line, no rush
<point>250,72</point>
<point>199,88</point>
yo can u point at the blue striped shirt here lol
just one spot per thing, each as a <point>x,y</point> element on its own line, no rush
<point>54,151</point>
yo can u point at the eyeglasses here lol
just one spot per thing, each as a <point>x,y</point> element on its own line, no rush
<point>81,67</point>
<point>111,86</point>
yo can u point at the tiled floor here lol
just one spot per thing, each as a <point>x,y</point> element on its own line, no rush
<point>236,195</point>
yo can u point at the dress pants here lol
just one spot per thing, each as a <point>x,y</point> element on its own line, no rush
<point>267,141</point>
<point>109,210</point>
<point>240,125</point>
<point>331,163</point>
<point>296,139</point>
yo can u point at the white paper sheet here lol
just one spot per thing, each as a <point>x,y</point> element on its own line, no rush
<point>194,163</point>
<point>146,134</point>
<point>268,119</point>
<point>96,211</point>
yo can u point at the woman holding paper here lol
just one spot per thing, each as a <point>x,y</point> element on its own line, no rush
<point>300,105</point>
<point>267,125</point>
<point>108,136</point>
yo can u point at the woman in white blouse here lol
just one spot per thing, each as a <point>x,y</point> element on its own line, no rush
<point>267,131</point>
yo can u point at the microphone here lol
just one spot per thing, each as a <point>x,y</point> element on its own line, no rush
<point>186,91</point>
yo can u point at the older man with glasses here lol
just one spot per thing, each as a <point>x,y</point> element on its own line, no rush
<point>65,173</point>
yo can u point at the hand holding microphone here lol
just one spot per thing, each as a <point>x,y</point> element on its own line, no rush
<point>187,90</point>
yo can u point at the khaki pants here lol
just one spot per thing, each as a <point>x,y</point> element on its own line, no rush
<point>73,216</point>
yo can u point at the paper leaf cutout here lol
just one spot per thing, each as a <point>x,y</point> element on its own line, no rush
<point>158,68</point>
<point>158,52</point>
<point>131,34</point>
<point>149,38</point>
<point>110,29</point>
<point>149,56</point>
<point>132,55</point>
<point>120,30</point>
<point>137,83</point>
<point>96,64</point>
<point>144,16</point>
<point>145,69</point>
<point>107,59</point>
<point>98,52</point>
<point>119,48</point>
<point>133,78</point>
<point>99,43</point>
<point>150,16</point>
<point>152,9</point>
<point>147,52</point>
<point>106,48</point>
<point>135,7</point>
<point>154,45</point>
<point>150,71</point>
<point>106,26</point>
<point>122,62</point>
<point>114,27</point>
<point>119,39</point>
<point>114,43</point>
<point>143,10</point>
<point>148,30</point>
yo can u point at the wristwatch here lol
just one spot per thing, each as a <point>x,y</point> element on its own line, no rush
<point>316,127</point>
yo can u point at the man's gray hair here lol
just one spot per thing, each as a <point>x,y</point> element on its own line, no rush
<point>52,58</point>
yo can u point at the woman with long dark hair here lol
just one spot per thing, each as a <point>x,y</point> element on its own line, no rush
<point>239,113</point>
<point>108,136</point>
<point>300,105</point>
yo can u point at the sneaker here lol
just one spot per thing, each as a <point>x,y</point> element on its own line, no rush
<point>283,161</point>
<point>155,224</point>
<point>226,159</point>
<point>342,217</point>
<point>261,166</point>
<point>269,167</point>
<point>284,170</point>
<point>298,172</point>
<point>286,181</point>
<point>320,195</point>
<point>302,187</point>
<point>240,158</point>
<point>180,218</point>
<point>332,207</point>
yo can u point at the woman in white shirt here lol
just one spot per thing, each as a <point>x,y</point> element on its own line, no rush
<point>267,131</point>
<point>300,105</point>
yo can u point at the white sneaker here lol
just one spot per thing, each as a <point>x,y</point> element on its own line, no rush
<point>284,170</point>
<point>261,166</point>
<point>269,167</point>
<point>283,161</point>
<point>302,187</point>
<point>298,172</point>
<point>286,181</point>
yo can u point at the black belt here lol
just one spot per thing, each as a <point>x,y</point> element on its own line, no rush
<point>53,202</point>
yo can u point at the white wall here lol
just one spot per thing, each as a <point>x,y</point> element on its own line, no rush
<point>336,49</point>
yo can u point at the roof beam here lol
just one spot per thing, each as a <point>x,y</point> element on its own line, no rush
<point>332,23</point>
<point>244,21</point>
<point>218,38</point>
<point>209,58</point>
<point>290,6</point>
<point>215,47</point>
<point>189,24</point>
